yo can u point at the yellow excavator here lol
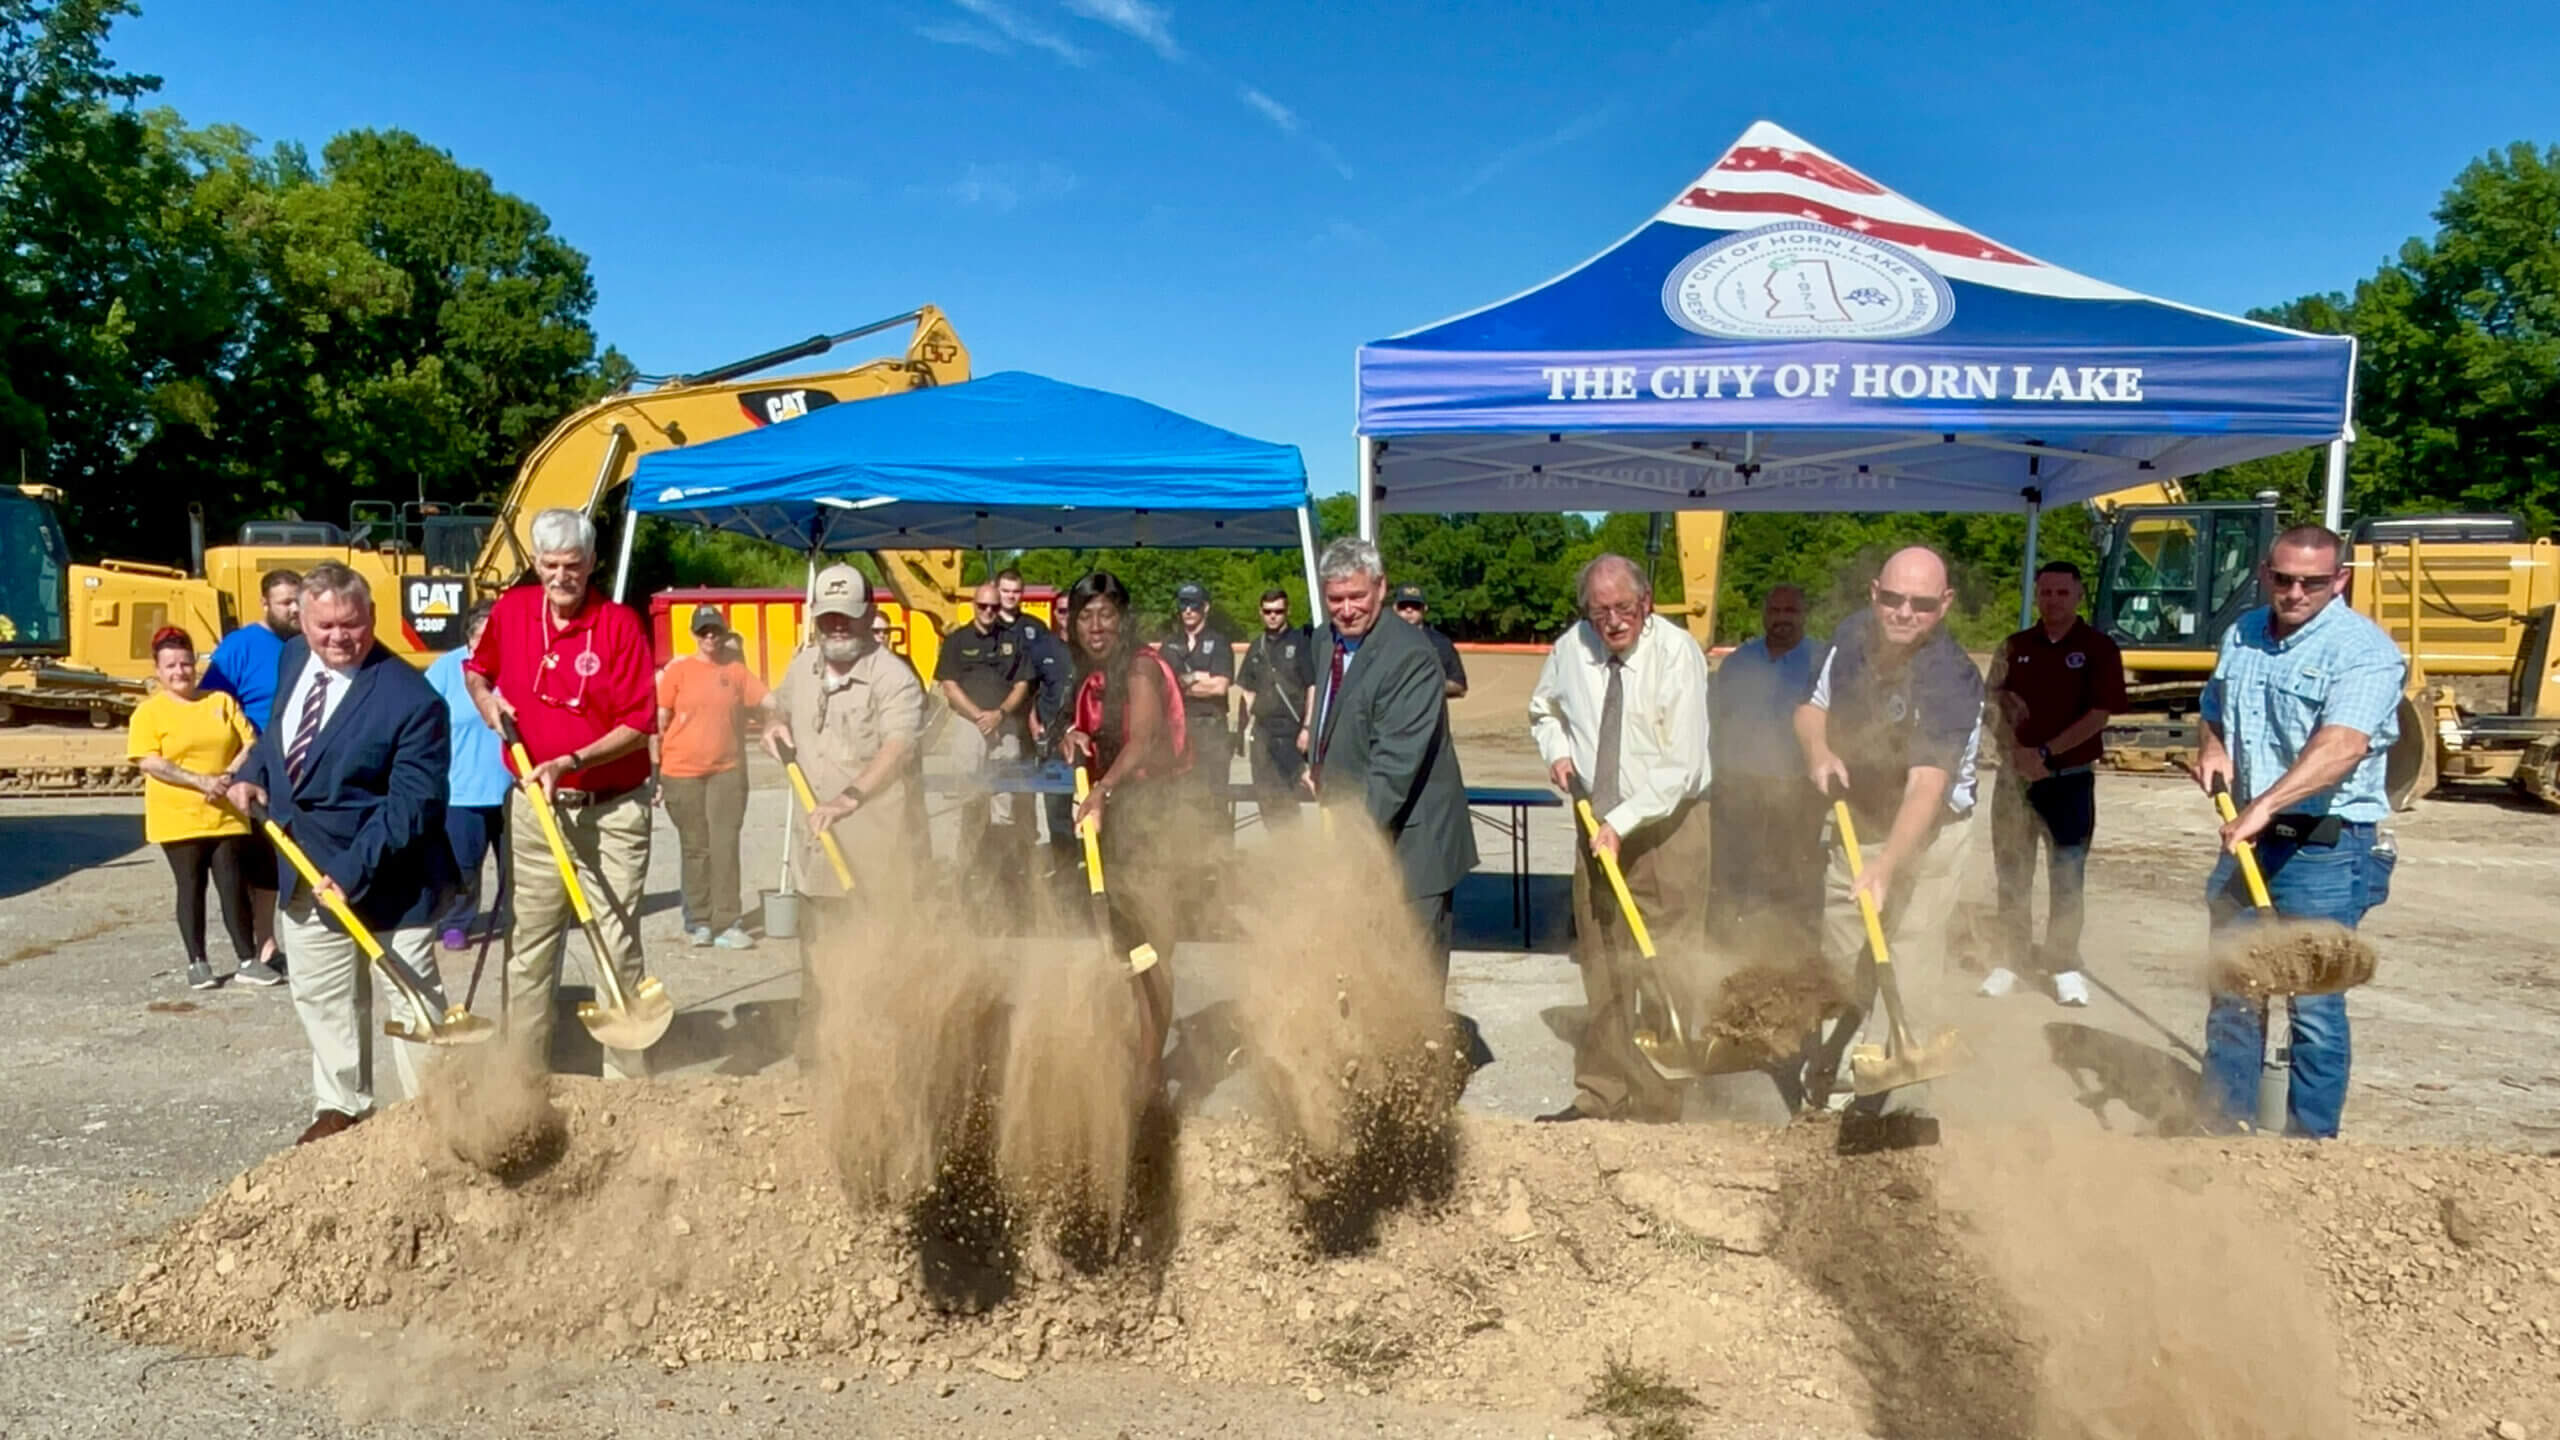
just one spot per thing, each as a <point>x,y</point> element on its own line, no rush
<point>65,694</point>
<point>438,558</point>
<point>2468,598</point>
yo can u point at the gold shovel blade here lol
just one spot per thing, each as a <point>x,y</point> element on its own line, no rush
<point>1669,1058</point>
<point>1873,1072</point>
<point>458,1027</point>
<point>1142,959</point>
<point>641,1023</point>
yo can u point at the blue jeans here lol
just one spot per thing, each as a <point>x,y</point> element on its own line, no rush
<point>2337,882</point>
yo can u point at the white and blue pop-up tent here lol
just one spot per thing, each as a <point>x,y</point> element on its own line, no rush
<point>1788,334</point>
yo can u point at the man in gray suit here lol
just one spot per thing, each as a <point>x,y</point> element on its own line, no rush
<point>1381,742</point>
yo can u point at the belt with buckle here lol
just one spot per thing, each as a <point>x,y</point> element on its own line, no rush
<point>568,798</point>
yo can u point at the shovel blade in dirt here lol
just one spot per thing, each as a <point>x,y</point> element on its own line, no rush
<point>1873,1071</point>
<point>619,1019</point>
<point>640,1021</point>
<point>438,1023</point>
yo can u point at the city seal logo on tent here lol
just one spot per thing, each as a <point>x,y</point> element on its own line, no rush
<point>1796,280</point>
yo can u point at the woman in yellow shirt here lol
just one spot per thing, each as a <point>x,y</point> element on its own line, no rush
<point>187,743</point>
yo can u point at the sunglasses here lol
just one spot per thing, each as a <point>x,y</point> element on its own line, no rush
<point>1408,604</point>
<point>1280,610</point>
<point>1916,604</point>
<point>983,606</point>
<point>2307,584</point>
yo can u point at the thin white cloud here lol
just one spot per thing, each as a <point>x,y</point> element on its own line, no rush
<point>1023,30</point>
<point>998,189</point>
<point>1151,25</point>
<point>1272,110</point>
<point>1580,126</point>
<point>972,36</point>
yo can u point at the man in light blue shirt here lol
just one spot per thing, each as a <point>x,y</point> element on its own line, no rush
<point>244,664</point>
<point>477,782</point>
<point>2299,719</point>
<point>1767,858</point>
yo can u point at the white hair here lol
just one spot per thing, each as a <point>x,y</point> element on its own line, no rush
<point>1350,557</point>
<point>1606,563</point>
<point>560,530</point>
<point>338,582</point>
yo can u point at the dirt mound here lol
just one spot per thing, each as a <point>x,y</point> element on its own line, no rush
<point>2290,958</point>
<point>491,1106</point>
<point>2000,1286</point>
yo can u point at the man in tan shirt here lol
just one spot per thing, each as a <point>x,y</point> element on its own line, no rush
<point>854,711</point>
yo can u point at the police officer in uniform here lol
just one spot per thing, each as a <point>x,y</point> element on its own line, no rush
<point>1204,661</point>
<point>1053,680</point>
<point>985,679</point>
<point>1278,679</point>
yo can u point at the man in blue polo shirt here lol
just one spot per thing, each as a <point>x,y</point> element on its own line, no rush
<point>2299,718</point>
<point>244,664</point>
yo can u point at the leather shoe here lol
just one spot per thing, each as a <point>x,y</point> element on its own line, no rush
<point>1567,1116</point>
<point>328,1123</point>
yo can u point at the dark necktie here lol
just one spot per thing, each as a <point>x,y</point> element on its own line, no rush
<point>298,759</point>
<point>1332,695</point>
<point>1613,718</point>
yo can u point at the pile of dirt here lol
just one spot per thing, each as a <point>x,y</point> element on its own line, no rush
<point>2290,958</point>
<point>2002,1286</point>
<point>1767,1009</point>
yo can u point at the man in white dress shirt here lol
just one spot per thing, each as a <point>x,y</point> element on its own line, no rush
<point>1622,707</point>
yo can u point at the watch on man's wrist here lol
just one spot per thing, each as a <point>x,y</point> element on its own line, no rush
<point>2045,753</point>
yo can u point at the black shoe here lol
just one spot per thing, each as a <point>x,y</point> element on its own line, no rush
<point>1567,1116</point>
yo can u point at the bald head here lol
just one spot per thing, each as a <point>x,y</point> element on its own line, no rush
<point>1911,595</point>
<point>984,606</point>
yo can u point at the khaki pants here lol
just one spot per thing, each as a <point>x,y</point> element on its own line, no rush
<point>989,843</point>
<point>1666,870</point>
<point>708,812</point>
<point>1915,918</point>
<point>609,843</point>
<point>333,996</point>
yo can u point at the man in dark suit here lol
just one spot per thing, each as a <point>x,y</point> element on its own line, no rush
<point>1381,742</point>
<point>353,769</point>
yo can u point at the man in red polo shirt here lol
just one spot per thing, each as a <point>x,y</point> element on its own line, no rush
<point>573,669</point>
<point>2056,682</point>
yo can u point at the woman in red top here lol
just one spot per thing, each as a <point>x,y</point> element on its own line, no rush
<point>1123,734</point>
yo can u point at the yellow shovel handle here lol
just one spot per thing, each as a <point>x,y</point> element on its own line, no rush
<point>335,903</point>
<point>2246,853</point>
<point>1090,832</point>
<point>1858,872</point>
<point>550,824</point>
<point>826,838</point>
<point>1617,880</point>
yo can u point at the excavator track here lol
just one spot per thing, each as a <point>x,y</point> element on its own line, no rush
<point>66,737</point>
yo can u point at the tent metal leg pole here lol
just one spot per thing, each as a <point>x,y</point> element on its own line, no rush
<point>622,561</point>
<point>790,813</point>
<point>1367,470</point>
<point>2333,506</point>
<point>2027,578</point>
<point>1307,551</point>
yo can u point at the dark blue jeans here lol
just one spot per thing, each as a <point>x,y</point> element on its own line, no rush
<point>2337,882</point>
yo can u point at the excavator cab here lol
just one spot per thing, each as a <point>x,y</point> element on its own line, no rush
<point>35,578</point>
<point>2175,576</point>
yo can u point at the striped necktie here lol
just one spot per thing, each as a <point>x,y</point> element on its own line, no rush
<point>298,759</point>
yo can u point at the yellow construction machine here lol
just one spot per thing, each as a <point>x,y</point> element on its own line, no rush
<point>2467,597</point>
<point>438,558</point>
<point>66,690</point>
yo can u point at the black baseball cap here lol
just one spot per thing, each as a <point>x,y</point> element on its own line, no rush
<point>1190,595</point>
<point>706,618</point>
<point>1408,595</point>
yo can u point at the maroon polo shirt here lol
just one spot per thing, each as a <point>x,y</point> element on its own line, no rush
<point>2060,681</point>
<point>571,682</point>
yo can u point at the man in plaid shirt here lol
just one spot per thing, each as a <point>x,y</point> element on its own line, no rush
<point>2298,720</point>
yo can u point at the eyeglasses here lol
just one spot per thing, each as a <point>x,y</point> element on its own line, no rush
<point>1916,604</point>
<point>2307,584</point>
<point>1632,610</point>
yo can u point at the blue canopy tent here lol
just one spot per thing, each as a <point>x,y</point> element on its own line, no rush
<point>1788,334</point>
<point>1009,461</point>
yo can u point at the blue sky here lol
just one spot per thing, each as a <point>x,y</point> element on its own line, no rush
<point>1209,205</point>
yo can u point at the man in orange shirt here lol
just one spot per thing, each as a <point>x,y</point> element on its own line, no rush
<point>702,776</point>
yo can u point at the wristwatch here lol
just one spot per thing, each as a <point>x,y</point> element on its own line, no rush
<point>2045,754</point>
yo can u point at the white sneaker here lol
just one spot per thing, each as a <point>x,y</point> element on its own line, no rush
<point>2070,987</point>
<point>1998,983</point>
<point>698,936</point>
